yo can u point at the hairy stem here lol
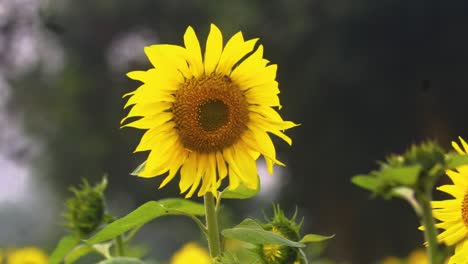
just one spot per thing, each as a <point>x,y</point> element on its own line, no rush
<point>214,243</point>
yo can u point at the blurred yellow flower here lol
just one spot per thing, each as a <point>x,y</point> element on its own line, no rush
<point>391,260</point>
<point>27,255</point>
<point>453,213</point>
<point>210,116</point>
<point>191,253</point>
<point>418,256</point>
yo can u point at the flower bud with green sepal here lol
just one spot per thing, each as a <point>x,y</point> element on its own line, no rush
<point>86,210</point>
<point>287,228</point>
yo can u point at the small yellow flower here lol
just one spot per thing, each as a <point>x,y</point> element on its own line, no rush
<point>191,253</point>
<point>391,260</point>
<point>453,213</point>
<point>27,255</point>
<point>418,256</point>
<point>207,116</point>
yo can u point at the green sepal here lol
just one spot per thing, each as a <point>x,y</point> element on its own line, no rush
<point>122,260</point>
<point>454,160</point>
<point>366,182</point>
<point>309,238</point>
<point>65,245</point>
<point>252,232</point>
<point>139,169</point>
<point>145,213</point>
<point>405,175</point>
<point>241,192</point>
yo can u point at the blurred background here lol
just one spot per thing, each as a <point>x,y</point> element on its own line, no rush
<point>364,78</point>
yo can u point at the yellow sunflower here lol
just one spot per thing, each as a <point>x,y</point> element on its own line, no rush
<point>191,253</point>
<point>453,213</point>
<point>210,116</point>
<point>27,255</point>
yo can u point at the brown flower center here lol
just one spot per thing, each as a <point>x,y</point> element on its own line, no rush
<point>210,113</point>
<point>464,209</point>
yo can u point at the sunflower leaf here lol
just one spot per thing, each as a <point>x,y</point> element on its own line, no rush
<point>252,232</point>
<point>65,245</point>
<point>366,182</point>
<point>241,192</point>
<point>145,213</point>
<point>139,169</point>
<point>122,260</point>
<point>77,253</point>
<point>315,238</point>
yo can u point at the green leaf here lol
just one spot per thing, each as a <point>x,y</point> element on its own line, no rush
<point>183,205</point>
<point>122,260</point>
<point>241,192</point>
<point>407,175</point>
<point>138,169</point>
<point>250,231</point>
<point>63,247</point>
<point>366,182</point>
<point>145,213</point>
<point>78,252</point>
<point>456,160</point>
<point>314,238</point>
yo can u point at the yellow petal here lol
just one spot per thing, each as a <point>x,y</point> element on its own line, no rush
<point>258,140</point>
<point>164,56</point>
<point>188,172</point>
<point>148,122</point>
<point>248,165</point>
<point>221,164</point>
<point>178,159</point>
<point>235,50</point>
<point>257,97</point>
<point>453,190</point>
<point>234,180</point>
<point>453,203</point>
<point>147,109</point>
<point>151,138</point>
<point>458,179</point>
<point>194,55</point>
<point>209,179</point>
<point>465,145</point>
<point>202,165</point>
<point>214,47</point>
<point>265,77</point>
<point>249,67</point>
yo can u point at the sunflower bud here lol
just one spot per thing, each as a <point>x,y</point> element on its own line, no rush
<point>288,228</point>
<point>428,154</point>
<point>86,209</point>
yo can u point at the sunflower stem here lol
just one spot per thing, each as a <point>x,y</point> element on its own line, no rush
<point>434,252</point>
<point>119,245</point>
<point>214,243</point>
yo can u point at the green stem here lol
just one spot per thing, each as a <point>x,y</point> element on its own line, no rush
<point>434,252</point>
<point>214,243</point>
<point>120,248</point>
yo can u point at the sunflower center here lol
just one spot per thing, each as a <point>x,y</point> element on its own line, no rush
<point>464,209</point>
<point>210,113</point>
<point>213,115</point>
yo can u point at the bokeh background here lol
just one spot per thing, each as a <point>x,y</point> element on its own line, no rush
<point>365,78</point>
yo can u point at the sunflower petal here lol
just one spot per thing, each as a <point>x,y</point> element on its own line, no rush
<point>214,48</point>
<point>194,55</point>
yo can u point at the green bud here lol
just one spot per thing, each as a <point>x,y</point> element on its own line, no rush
<point>428,154</point>
<point>288,228</point>
<point>86,210</point>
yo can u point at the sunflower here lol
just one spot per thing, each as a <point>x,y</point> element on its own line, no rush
<point>210,116</point>
<point>453,213</point>
<point>191,253</point>
<point>27,255</point>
